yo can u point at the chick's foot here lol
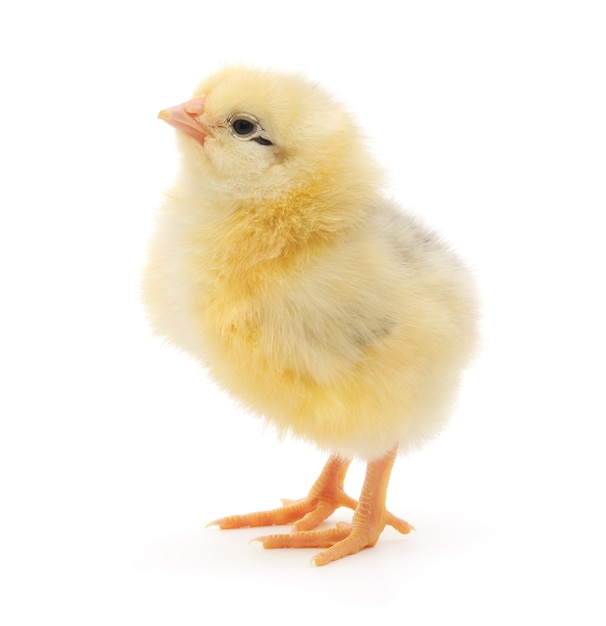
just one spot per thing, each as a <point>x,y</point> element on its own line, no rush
<point>370,518</point>
<point>326,495</point>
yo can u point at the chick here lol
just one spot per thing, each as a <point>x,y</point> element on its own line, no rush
<point>278,263</point>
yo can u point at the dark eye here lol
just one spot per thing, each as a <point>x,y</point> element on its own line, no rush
<point>243,127</point>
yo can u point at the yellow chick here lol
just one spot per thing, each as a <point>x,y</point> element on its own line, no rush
<point>329,312</point>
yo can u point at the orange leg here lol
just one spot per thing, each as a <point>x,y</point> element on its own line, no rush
<point>369,520</point>
<point>325,496</point>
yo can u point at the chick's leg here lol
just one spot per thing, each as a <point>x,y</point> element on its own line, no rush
<point>369,520</point>
<point>325,496</point>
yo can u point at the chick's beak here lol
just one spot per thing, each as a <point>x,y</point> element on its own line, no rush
<point>186,118</point>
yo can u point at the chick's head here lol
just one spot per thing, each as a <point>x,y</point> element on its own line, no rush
<point>258,133</point>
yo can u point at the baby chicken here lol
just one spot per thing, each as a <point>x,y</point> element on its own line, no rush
<point>329,312</point>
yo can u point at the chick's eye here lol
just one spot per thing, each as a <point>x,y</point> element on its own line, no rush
<point>243,127</point>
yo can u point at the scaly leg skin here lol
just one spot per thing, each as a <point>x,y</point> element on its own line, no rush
<point>326,495</point>
<point>369,520</point>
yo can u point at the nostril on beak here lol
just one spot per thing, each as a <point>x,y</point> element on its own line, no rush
<point>195,106</point>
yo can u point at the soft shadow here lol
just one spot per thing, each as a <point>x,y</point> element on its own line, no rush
<point>376,576</point>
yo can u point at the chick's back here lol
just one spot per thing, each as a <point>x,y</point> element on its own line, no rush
<point>318,303</point>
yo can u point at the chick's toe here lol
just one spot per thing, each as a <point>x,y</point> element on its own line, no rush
<point>325,496</point>
<point>370,518</point>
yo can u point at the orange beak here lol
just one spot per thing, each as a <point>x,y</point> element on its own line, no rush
<point>186,118</point>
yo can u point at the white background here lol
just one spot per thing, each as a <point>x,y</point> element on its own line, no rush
<point>115,450</point>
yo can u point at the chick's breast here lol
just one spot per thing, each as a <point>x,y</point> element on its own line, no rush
<point>307,295</point>
<point>356,346</point>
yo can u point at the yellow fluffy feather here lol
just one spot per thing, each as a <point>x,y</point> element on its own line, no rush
<point>278,263</point>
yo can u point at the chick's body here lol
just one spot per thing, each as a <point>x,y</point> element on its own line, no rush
<point>280,266</point>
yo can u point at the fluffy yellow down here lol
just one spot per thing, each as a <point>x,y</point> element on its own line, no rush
<point>306,294</point>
